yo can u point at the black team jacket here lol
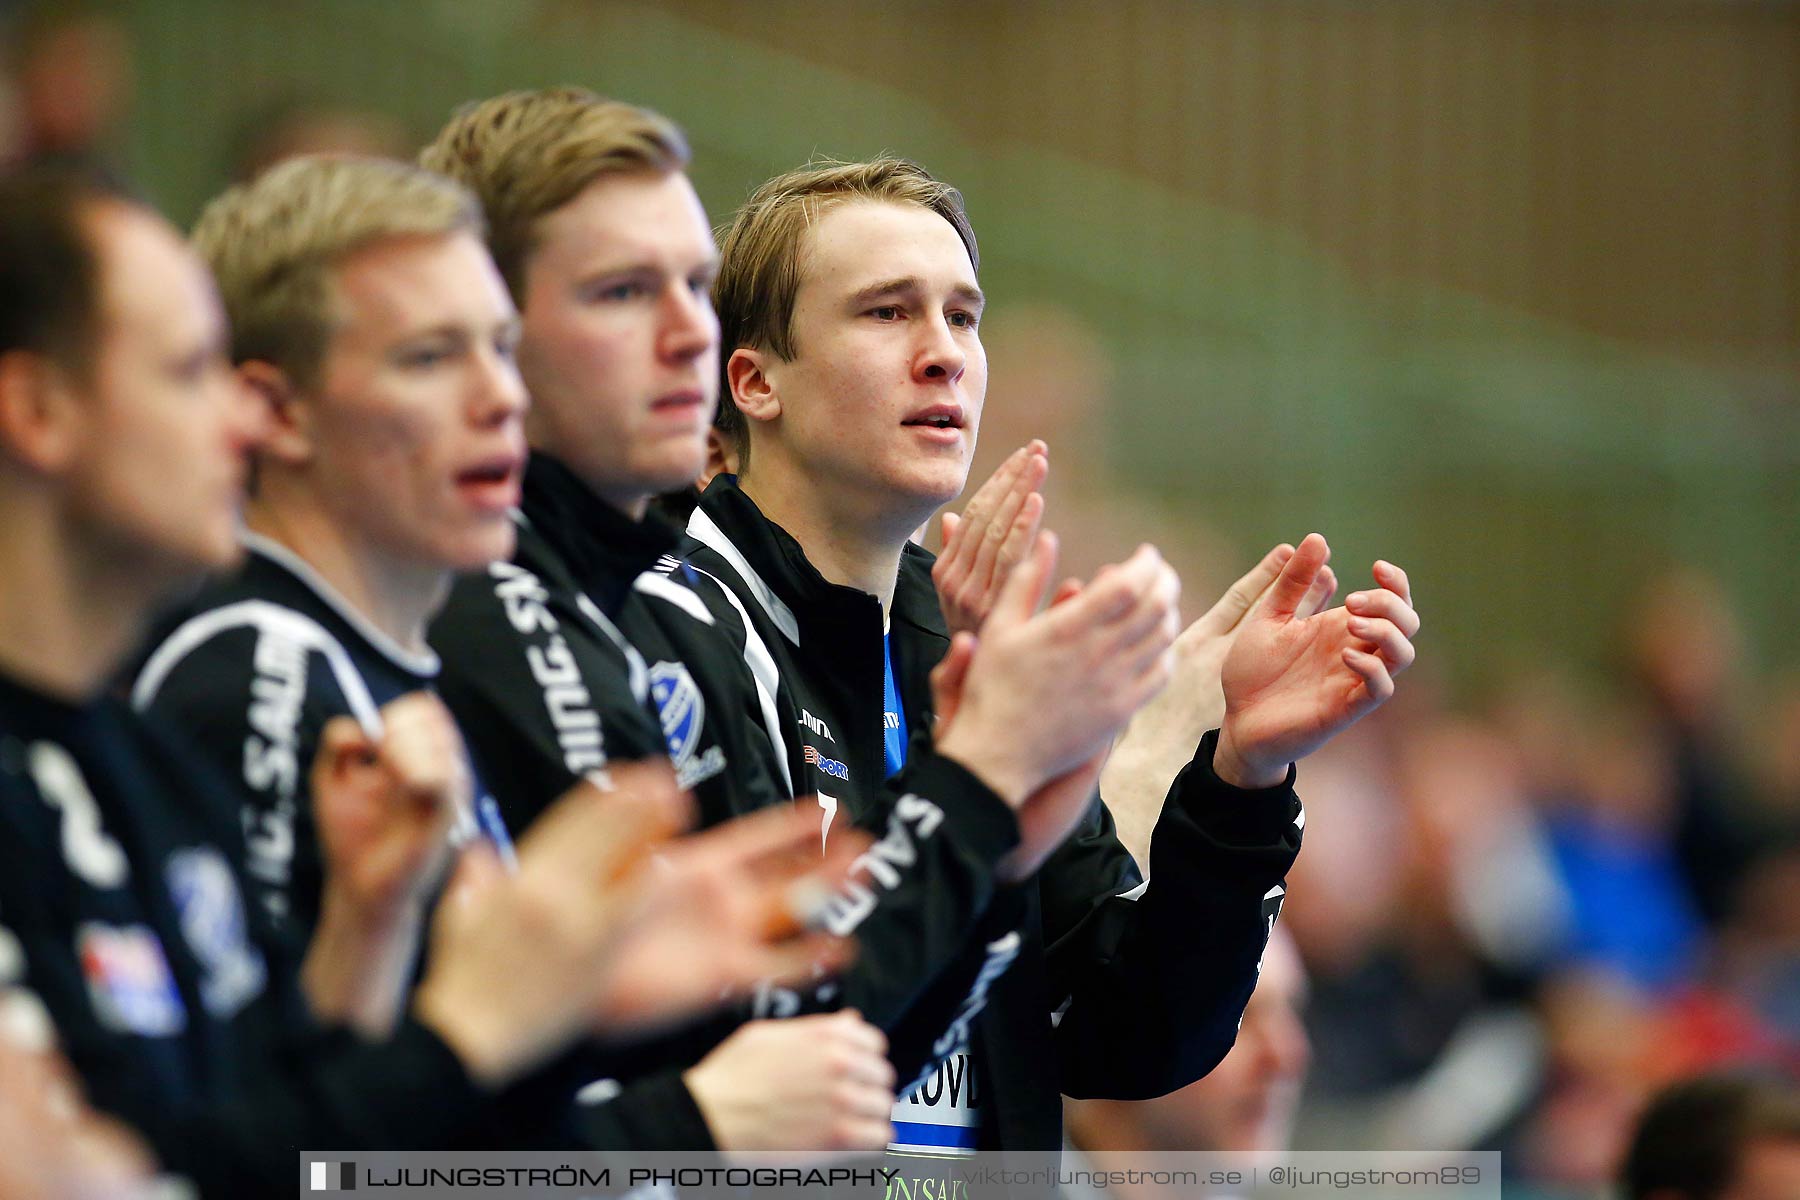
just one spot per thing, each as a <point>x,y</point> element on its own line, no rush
<point>124,915</point>
<point>250,671</point>
<point>576,654</point>
<point>1089,982</point>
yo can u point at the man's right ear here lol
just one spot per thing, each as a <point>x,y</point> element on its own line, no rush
<point>41,416</point>
<point>289,438</point>
<point>721,458</point>
<point>752,389</point>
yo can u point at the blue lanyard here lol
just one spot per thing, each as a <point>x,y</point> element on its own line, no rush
<point>489,821</point>
<point>493,827</point>
<point>893,718</point>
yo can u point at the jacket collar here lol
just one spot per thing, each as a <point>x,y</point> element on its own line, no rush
<point>26,711</point>
<point>775,567</point>
<point>915,595</point>
<point>269,558</point>
<point>604,549</point>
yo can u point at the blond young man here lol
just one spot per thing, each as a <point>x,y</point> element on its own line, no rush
<point>125,917</point>
<point>372,324</point>
<point>553,663</point>
<point>850,308</point>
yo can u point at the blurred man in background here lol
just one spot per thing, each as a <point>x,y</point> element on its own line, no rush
<point>1245,1105</point>
<point>72,70</point>
<point>294,126</point>
<point>1720,1137</point>
<point>368,320</point>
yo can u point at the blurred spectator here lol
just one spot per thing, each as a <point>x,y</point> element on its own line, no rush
<point>1601,1033</point>
<point>1759,948</point>
<point>1686,652</point>
<point>291,127</point>
<point>1050,377</point>
<point>1614,837</point>
<point>1717,1138</point>
<point>1245,1105</point>
<point>72,72</point>
<point>1423,918</point>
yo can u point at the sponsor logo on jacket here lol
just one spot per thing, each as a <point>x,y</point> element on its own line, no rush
<point>553,667</point>
<point>913,820</point>
<point>128,979</point>
<point>272,762</point>
<point>830,766</point>
<point>818,727</point>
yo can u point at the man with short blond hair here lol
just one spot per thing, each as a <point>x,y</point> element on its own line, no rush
<point>369,320</point>
<point>555,662</point>
<point>526,154</point>
<point>608,257</point>
<point>756,300</point>
<point>275,245</point>
<point>852,311</point>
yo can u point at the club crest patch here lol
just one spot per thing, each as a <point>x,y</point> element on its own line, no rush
<point>682,711</point>
<point>128,979</point>
<point>679,703</point>
<point>212,920</point>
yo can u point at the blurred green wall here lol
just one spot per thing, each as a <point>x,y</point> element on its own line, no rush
<point>1508,293</point>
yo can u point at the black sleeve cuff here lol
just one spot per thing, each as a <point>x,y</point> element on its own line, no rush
<point>1233,816</point>
<point>974,813</point>
<point>415,1086</point>
<point>654,1114</point>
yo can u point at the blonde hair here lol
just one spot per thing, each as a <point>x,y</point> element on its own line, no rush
<point>760,254</point>
<point>526,154</point>
<point>274,242</point>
